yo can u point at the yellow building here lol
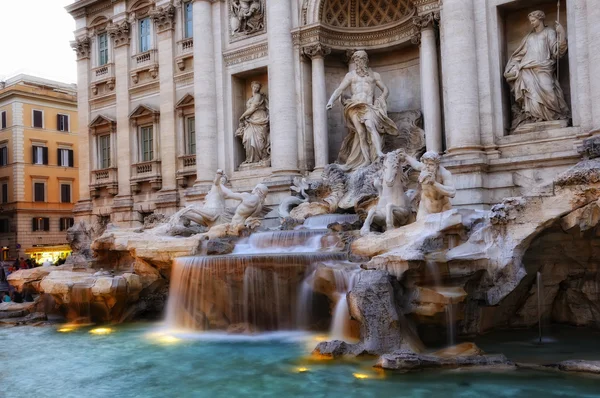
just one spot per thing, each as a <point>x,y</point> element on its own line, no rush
<point>38,166</point>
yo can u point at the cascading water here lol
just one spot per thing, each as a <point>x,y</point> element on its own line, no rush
<point>540,304</point>
<point>451,325</point>
<point>344,281</point>
<point>261,286</point>
<point>321,222</point>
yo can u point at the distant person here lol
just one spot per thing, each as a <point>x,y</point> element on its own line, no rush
<point>16,264</point>
<point>6,298</point>
<point>23,264</point>
<point>17,297</point>
<point>47,263</point>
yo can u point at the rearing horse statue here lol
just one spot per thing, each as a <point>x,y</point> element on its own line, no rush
<point>393,207</point>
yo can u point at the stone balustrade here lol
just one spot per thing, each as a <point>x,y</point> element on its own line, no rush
<point>104,178</point>
<point>103,72</point>
<point>146,172</point>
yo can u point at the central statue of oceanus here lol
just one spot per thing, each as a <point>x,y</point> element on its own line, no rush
<point>366,116</point>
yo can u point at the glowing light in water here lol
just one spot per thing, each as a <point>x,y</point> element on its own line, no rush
<point>360,376</point>
<point>101,331</point>
<point>66,329</point>
<point>301,369</point>
<point>163,338</point>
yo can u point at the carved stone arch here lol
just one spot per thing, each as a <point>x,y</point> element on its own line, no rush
<point>141,8</point>
<point>99,23</point>
<point>185,101</point>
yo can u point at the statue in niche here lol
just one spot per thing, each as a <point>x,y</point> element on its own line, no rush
<point>366,116</point>
<point>247,17</point>
<point>435,183</point>
<point>530,72</point>
<point>393,208</point>
<point>254,128</point>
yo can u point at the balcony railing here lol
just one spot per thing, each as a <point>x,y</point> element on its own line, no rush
<point>186,165</point>
<point>145,171</point>
<point>186,46</point>
<point>103,72</point>
<point>144,60</point>
<point>104,178</point>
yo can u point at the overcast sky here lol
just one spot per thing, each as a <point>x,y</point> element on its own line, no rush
<point>34,39</point>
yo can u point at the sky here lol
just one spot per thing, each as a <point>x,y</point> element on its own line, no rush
<point>34,39</point>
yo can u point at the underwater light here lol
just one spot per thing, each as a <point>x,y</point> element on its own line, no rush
<point>66,329</point>
<point>360,375</point>
<point>167,339</point>
<point>101,331</point>
<point>301,369</point>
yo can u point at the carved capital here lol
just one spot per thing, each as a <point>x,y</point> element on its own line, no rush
<point>164,18</point>
<point>415,38</point>
<point>81,47</point>
<point>119,33</point>
<point>316,51</point>
<point>426,20</point>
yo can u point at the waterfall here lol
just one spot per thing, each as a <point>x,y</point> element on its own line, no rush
<point>247,292</point>
<point>451,324</point>
<point>79,310</point>
<point>321,222</point>
<point>300,241</point>
<point>344,281</point>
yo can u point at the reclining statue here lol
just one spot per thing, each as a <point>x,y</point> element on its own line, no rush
<point>212,212</point>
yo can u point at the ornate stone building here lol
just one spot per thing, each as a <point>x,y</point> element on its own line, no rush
<point>166,93</point>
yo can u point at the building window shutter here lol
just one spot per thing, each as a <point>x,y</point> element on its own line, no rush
<point>71,160</point>
<point>37,119</point>
<point>4,193</point>
<point>46,224</point>
<point>45,155</point>
<point>3,120</point>
<point>33,158</point>
<point>3,156</point>
<point>59,157</point>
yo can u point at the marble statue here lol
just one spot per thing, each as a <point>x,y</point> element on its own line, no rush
<point>435,183</point>
<point>393,208</point>
<point>366,116</point>
<point>250,211</point>
<point>212,211</point>
<point>254,128</point>
<point>247,17</point>
<point>530,72</point>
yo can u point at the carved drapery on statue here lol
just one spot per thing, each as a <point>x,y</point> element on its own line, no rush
<point>531,74</point>
<point>247,17</point>
<point>365,115</point>
<point>254,128</point>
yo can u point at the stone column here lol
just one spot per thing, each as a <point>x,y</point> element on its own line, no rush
<point>317,54</point>
<point>82,49</point>
<point>282,89</point>
<point>593,39</point>
<point>120,34</point>
<point>205,93</point>
<point>164,19</point>
<point>461,87</point>
<point>430,80</point>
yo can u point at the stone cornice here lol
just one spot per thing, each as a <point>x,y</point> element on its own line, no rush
<point>343,39</point>
<point>425,6</point>
<point>81,47</point>
<point>119,32</point>
<point>250,53</point>
<point>164,18</point>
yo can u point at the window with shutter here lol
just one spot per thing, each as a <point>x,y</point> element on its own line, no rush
<point>102,49</point>
<point>65,157</point>
<point>144,35</point>
<point>4,226</point>
<point>66,223</point>
<point>46,222</point>
<point>45,155</point>
<point>147,144</point>
<point>4,193</point>
<point>104,149</point>
<point>37,224</point>
<point>39,189</point>
<point>38,119</point>
<point>191,136</point>
<point>62,122</point>
<point>3,156</point>
<point>70,158</point>
<point>3,125</point>
<point>65,193</point>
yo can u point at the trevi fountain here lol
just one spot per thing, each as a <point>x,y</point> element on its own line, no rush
<point>440,240</point>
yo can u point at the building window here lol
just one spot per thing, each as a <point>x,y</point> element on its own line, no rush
<point>65,157</point>
<point>102,49</point>
<point>40,155</point>
<point>188,20</point>
<point>66,223</point>
<point>38,119</point>
<point>104,149</point>
<point>40,224</point>
<point>65,193</point>
<point>62,122</point>
<point>3,123</point>
<point>3,156</point>
<point>39,191</point>
<point>191,136</point>
<point>4,193</point>
<point>144,35</point>
<point>4,226</point>
<point>147,142</point>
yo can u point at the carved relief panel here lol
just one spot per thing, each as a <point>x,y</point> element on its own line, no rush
<point>246,18</point>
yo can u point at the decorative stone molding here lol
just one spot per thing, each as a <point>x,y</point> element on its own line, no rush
<point>119,33</point>
<point>316,51</point>
<point>81,46</point>
<point>250,53</point>
<point>424,6</point>
<point>246,18</point>
<point>343,39</point>
<point>363,13</point>
<point>164,18</point>
<point>423,22</point>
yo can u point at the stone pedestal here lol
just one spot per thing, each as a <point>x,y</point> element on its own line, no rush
<point>541,126</point>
